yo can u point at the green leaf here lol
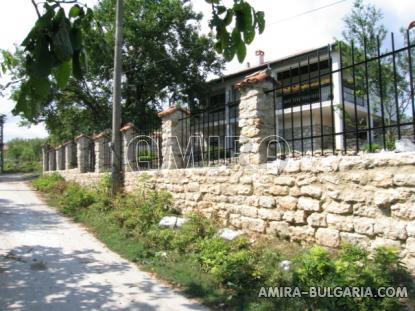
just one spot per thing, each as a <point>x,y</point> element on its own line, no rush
<point>241,51</point>
<point>229,53</point>
<point>260,17</point>
<point>39,87</point>
<point>76,65</point>
<point>74,11</point>
<point>229,17</point>
<point>62,73</point>
<point>61,41</point>
<point>249,35</point>
<point>221,9</point>
<point>76,38</point>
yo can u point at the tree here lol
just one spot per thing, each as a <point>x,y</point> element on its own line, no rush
<point>56,47</point>
<point>24,155</point>
<point>165,59</point>
<point>387,85</point>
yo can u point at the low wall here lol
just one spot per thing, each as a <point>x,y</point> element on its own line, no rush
<point>367,199</point>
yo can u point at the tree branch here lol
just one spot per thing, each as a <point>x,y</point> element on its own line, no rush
<point>36,8</point>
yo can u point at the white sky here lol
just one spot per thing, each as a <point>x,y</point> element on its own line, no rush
<point>279,38</point>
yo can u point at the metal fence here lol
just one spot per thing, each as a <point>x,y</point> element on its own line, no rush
<point>365,104</point>
<point>211,136</point>
<point>146,146</point>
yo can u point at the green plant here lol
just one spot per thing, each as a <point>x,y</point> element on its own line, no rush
<point>49,183</point>
<point>371,147</point>
<point>75,198</point>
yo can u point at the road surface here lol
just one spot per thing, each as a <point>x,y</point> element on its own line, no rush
<point>47,263</point>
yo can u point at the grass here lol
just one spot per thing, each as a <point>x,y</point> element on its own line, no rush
<point>224,275</point>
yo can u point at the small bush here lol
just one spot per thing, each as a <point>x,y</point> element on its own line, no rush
<point>49,183</point>
<point>75,198</point>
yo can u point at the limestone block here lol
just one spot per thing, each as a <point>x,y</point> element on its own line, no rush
<point>364,226</point>
<point>279,228</point>
<point>253,224</point>
<point>296,217</point>
<point>355,239</point>
<point>404,210</point>
<point>277,190</point>
<point>311,191</point>
<point>309,204</point>
<point>302,233</point>
<point>284,181</point>
<point>382,179</point>
<point>328,237</point>
<point>317,220</point>
<point>405,179</point>
<point>390,229</point>
<point>269,214</point>
<point>266,202</point>
<point>287,203</point>
<point>380,242</point>
<point>338,207</point>
<point>342,223</point>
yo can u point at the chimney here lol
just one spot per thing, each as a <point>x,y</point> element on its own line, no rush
<point>248,65</point>
<point>260,55</point>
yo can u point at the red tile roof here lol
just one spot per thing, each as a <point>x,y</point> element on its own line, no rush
<point>80,136</point>
<point>101,135</point>
<point>127,126</point>
<point>171,110</point>
<point>253,78</point>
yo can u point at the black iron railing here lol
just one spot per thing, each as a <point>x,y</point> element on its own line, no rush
<point>211,136</point>
<point>366,104</point>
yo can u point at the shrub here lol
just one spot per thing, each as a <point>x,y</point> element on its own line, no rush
<point>49,183</point>
<point>232,262</point>
<point>351,267</point>
<point>75,198</point>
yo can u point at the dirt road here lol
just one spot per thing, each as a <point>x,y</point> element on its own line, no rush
<point>47,262</point>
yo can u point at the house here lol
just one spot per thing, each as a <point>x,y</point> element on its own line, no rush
<point>309,111</point>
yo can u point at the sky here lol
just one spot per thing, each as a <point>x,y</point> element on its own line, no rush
<point>285,33</point>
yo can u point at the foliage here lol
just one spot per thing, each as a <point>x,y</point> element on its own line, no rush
<point>49,183</point>
<point>64,65</point>
<point>228,274</point>
<point>165,59</point>
<point>24,155</point>
<point>352,267</point>
<point>75,197</point>
<point>385,81</point>
<point>244,20</point>
<point>53,51</point>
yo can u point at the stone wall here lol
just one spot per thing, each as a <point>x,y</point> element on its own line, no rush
<point>368,199</point>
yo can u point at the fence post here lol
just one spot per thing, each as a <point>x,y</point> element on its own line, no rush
<point>52,159</point>
<point>337,101</point>
<point>129,158</point>
<point>102,152</point>
<point>171,137</point>
<point>60,158</point>
<point>256,118</point>
<point>82,145</point>
<point>70,155</point>
<point>45,157</point>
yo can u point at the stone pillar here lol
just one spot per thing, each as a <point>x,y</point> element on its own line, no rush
<point>70,155</point>
<point>256,119</point>
<point>45,157</point>
<point>102,153</point>
<point>52,159</point>
<point>171,137</point>
<point>129,158</point>
<point>60,158</point>
<point>83,153</point>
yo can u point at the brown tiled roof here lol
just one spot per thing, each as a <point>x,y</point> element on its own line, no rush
<point>127,126</point>
<point>80,136</point>
<point>67,142</point>
<point>411,25</point>
<point>171,110</point>
<point>100,135</point>
<point>253,78</point>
